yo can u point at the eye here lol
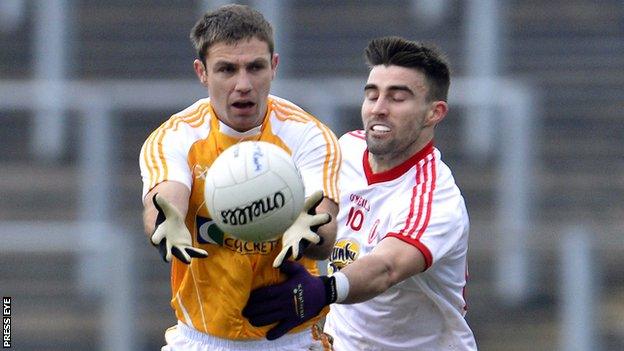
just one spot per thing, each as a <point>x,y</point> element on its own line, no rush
<point>256,67</point>
<point>226,69</point>
<point>399,96</point>
<point>371,95</point>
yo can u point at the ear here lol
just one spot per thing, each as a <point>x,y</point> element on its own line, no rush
<point>437,113</point>
<point>200,71</point>
<point>274,62</point>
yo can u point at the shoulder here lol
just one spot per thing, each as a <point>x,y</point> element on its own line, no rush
<point>290,120</point>
<point>194,115</point>
<point>447,197</point>
<point>192,120</point>
<point>353,146</point>
<point>285,110</point>
<point>355,139</point>
<point>354,136</point>
<point>443,175</point>
<point>181,128</point>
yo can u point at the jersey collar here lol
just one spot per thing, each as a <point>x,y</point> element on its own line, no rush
<point>397,171</point>
<point>229,131</point>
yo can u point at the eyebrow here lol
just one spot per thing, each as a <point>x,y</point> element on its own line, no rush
<point>259,60</point>
<point>390,88</point>
<point>224,63</point>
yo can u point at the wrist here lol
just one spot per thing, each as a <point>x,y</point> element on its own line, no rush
<point>336,287</point>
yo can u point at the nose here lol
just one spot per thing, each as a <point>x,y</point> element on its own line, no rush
<point>379,107</point>
<point>243,83</point>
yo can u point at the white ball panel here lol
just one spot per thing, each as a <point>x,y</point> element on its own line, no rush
<point>242,194</point>
<point>257,158</point>
<point>260,173</point>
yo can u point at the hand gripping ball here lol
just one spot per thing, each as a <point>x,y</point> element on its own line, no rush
<point>253,191</point>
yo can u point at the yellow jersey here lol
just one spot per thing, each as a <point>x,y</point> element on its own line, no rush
<point>210,293</point>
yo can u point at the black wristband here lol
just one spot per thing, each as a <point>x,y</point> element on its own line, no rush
<point>331,294</point>
<point>161,215</point>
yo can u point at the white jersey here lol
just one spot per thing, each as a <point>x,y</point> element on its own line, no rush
<point>419,203</point>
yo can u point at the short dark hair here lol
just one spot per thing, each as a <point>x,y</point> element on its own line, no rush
<point>230,24</point>
<point>410,54</point>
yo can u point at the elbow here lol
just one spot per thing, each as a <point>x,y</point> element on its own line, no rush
<point>390,275</point>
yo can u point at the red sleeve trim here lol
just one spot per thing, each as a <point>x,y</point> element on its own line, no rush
<point>417,244</point>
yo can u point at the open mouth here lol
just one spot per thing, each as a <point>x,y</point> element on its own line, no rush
<point>243,104</point>
<point>244,108</point>
<point>380,128</point>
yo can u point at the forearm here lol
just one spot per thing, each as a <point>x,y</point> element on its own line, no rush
<point>176,193</point>
<point>368,277</point>
<point>391,262</point>
<point>327,232</point>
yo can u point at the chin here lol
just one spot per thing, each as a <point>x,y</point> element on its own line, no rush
<point>379,147</point>
<point>375,148</point>
<point>247,122</point>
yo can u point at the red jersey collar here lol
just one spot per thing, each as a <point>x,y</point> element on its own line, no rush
<point>397,171</point>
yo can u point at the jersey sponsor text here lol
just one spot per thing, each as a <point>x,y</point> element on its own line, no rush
<point>359,201</point>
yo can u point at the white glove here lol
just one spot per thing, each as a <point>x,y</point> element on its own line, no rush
<point>171,235</point>
<point>300,234</point>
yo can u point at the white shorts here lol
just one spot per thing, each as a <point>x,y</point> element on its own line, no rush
<point>184,338</point>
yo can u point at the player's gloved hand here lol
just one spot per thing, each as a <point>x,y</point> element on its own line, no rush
<point>291,303</point>
<point>171,235</point>
<point>302,232</point>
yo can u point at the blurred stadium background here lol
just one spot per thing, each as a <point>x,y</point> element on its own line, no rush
<point>535,137</point>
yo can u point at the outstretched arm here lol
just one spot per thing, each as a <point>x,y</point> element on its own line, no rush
<point>313,233</point>
<point>302,296</point>
<point>164,218</point>
<point>176,193</point>
<point>326,231</point>
<point>391,262</point>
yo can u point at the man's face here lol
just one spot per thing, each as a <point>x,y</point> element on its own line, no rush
<point>395,110</point>
<point>238,77</point>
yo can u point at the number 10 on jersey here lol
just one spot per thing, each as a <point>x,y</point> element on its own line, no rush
<point>355,219</point>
